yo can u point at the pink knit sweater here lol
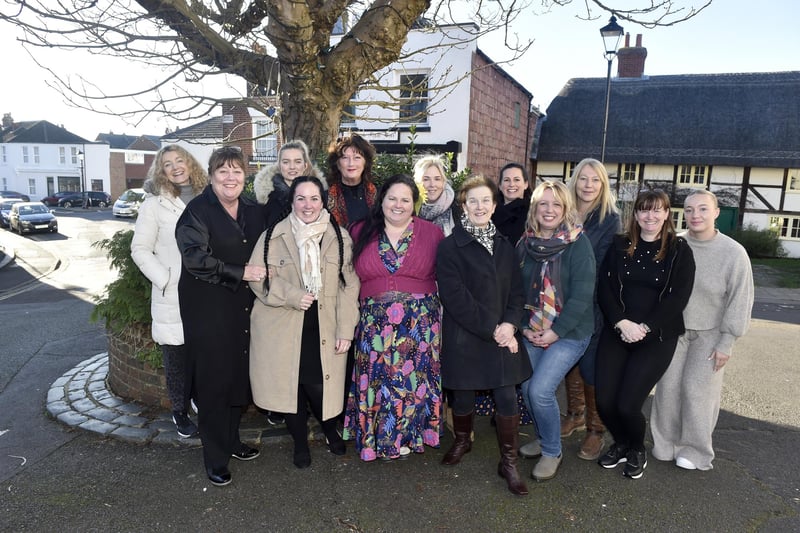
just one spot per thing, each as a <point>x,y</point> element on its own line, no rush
<point>418,273</point>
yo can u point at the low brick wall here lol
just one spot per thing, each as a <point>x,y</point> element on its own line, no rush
<point>133,379</point>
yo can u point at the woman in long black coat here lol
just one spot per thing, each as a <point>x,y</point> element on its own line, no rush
<point>481,290</point>
<point>216,234</point>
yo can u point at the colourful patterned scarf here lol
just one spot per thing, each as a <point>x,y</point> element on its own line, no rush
<point>544,299</point>
<point>336,204</point>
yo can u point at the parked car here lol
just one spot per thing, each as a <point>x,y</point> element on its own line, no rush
<point>53,199</point>
<point>75,199</point>
<point>5,210</point>
<point>127,205</point>
<point>26,217</point>
<point>14,194</point>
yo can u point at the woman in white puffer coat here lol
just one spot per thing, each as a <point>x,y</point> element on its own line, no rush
<point>175,177</point>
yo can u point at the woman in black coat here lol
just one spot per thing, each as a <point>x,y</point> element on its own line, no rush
<point>216,234</point>
<point>481,290</point>
<point>515,200</point>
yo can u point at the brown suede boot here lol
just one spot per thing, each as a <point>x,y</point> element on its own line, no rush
<point>574,419</point>
<point>593,443</point>
<point>462,428</point>
<point>508,439</point>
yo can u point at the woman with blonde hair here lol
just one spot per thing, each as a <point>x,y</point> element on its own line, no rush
<point>558,279</point>
<point>686,404</point>
<point>175,177</point>
<point>272,183</point>
<point>597,211</point>
<point>439,206</point>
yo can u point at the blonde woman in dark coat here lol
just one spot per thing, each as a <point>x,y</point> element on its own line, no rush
<point>481,289</point>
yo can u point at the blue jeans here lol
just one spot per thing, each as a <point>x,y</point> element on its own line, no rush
<point>550,365</point>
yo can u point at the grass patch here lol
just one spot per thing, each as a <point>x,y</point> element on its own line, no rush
<point>787,271</point>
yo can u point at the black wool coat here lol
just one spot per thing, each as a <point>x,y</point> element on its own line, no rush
<point>215,303</point>
<point>479,291</point>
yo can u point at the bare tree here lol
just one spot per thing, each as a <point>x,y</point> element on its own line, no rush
<point>285,48</point>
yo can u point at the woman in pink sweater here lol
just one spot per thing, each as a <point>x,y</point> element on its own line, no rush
<point>395,400</point>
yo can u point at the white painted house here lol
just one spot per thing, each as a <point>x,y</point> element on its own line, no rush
<point>38,158</point>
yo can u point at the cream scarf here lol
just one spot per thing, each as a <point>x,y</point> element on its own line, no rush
<point>308,237</point>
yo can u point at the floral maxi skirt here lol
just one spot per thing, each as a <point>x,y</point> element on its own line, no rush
<point>395,400</point>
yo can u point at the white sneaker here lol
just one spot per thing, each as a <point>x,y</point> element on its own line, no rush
<point>404,451</point>
<point>686,464</point>
<point>531,450</point>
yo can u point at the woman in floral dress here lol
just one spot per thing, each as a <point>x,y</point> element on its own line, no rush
<point>395,401</point>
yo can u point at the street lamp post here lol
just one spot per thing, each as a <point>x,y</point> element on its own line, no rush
<point>84,194</point>
<point>611,33</point>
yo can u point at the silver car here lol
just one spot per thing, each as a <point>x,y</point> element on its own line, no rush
<point>128,203</point>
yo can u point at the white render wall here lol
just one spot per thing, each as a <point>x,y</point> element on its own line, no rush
<point>17,173</point>
<point>448,108</point>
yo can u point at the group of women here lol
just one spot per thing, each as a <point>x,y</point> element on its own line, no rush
<point>368,303</point>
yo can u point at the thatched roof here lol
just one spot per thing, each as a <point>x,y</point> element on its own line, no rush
<point>712,119</point>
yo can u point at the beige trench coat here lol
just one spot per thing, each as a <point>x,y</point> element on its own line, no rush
<point>276,321</point>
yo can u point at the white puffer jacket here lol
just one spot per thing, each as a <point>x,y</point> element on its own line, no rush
<point>156,253</point>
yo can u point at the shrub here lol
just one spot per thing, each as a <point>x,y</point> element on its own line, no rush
<point>125,305</point>
<point>759,242</point>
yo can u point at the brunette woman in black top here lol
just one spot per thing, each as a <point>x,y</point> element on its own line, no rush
<point>644,284</point>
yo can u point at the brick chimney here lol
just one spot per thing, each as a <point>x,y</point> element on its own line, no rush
<point>630,59</point>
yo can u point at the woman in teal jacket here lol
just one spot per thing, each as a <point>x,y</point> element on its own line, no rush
<point>558,277</point>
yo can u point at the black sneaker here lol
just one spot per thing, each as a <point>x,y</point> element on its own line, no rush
<point>637,462</point>
<point>615,455</point>
<point>275,419</point>
<point>184,425</point>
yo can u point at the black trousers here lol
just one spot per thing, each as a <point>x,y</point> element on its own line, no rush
<point>219,433</point>
<point>297,423</point>
<point>624,376</point>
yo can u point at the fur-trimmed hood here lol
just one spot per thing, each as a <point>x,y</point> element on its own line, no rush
<point>263,184</point>
<point>150,188</point>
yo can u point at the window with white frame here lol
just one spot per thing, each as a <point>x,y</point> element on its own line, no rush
<point>74,155</point>
<point>630,172</point>
<point>693,175</point>
<point>3,155</point>
<point>25,157</point>
<point>62,155</point>
<point>786,227</point>
<point>265,143</point>
<point>36,155</point>
<point>414,98</point>
<point>678,219</point>
<point>31,186</point>
<point>793,183</point>
<point>570,168</point>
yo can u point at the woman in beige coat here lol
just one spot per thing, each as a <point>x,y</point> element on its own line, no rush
<point>303,321</point>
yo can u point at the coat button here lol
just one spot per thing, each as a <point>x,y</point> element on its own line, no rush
<point>323,342</point>
<point>327,376</point>
<point>247,331</point>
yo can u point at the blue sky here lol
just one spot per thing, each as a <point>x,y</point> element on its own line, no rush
<point>729,36</point>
